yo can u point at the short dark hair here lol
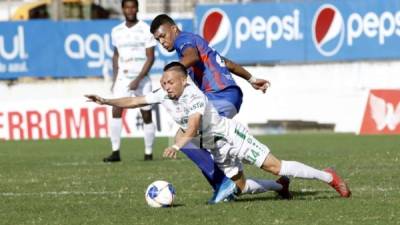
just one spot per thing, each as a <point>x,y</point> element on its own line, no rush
<point>160,20</point>
<point>124,1</point>
<point>175,66</point>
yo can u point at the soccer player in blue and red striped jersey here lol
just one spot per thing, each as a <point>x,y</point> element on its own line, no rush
<point>211,72</point>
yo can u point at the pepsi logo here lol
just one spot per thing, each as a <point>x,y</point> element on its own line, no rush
<point>216,29</point>
<point>328,30</point>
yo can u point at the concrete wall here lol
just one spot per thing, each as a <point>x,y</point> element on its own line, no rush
<point>327,93</point>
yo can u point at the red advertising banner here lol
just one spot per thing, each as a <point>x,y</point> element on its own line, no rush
<point>66,122</point>
<point>382,113</point>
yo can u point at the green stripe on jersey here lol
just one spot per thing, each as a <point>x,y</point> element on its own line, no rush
<point>240,134</point>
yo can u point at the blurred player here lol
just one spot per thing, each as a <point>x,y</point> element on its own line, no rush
<point>211,72</point>
<point>229,141</point>
<point>132,60</point>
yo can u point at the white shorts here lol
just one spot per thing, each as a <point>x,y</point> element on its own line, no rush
<point>238,147</point>
<point>121,89</point>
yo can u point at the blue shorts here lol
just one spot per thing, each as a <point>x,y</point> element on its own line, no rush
<point>227,101</point>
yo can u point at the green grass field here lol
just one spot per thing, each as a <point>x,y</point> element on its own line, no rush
<point>65,182</point>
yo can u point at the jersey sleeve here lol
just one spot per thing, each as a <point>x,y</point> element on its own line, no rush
<point>150,41</point>
<point>183,43</point>
<point>154,97</point>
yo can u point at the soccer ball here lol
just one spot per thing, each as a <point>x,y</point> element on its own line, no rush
<point>160,194</point>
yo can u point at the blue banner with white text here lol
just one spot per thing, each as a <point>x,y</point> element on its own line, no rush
<point>330,30</point>
<point>42,48</point>
<point>252,33</point>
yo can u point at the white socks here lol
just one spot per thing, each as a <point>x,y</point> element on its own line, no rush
<point>115,135</point>
<point>149,133</point>
<point>254,186</point>
<point>297,169</point>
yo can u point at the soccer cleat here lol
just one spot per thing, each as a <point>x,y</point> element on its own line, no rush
<point>338,184</point>
<point>284,193</point>
<point>114,157</point>
<point>232,197</point>
<point>225,191</point>
<point>148,157</point>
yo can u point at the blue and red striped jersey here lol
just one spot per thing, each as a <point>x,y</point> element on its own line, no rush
<point>210,73</point>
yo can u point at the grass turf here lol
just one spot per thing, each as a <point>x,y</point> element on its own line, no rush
<point>65,182</point>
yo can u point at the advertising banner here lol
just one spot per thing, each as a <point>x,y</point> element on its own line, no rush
<point>42,48</point>
<point>301,32</point>
<point>73,118</point>
<point>382,113</point>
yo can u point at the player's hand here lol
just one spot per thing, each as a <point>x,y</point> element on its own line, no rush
<point>170,152</point>
<point>95,98</point>
<point>134,84</point>
<point>261,84</point>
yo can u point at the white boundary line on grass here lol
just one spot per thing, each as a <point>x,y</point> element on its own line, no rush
<point>61,193</point>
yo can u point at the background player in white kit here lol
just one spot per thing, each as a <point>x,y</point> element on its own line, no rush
<point>133,57</point>
<point>229,141</point>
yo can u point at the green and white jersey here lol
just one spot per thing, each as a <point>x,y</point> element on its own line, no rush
<point>229,141</point>
<point>190,102</point>
<point>131,43</point>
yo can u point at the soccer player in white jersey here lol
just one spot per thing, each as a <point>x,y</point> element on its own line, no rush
<point>229,141</point>
<point>133,57</point>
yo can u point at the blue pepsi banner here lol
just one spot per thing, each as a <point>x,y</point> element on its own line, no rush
<point>64,49</point>
<point>331,30</point>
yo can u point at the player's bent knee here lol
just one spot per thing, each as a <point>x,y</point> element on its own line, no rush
<point>272,169</point>
<point>146,115</point>
<point>272,164</point>
<point>117,112</point>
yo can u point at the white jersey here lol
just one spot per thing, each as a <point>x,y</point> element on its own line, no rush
<point>228,140</point>
<point>190,102</point>
<point>131,43</point>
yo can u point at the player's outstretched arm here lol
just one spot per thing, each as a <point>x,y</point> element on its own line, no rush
<point>238,70</point>
<point>126,102</point>
<point>182,138</point>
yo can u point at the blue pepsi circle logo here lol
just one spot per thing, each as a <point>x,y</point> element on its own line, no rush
<point>216,29</point>
<point>328,30</point>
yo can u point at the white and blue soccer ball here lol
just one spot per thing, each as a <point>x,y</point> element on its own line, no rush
<point>160,194</point>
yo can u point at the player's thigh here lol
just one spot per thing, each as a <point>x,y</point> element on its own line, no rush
<point>245,146</point>
<point>231,166</point>
<point>121,88</point>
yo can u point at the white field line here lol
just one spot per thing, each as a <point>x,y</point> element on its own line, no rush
<point>60,193</point>
<point>64,193</point>
<point>77,163</point>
